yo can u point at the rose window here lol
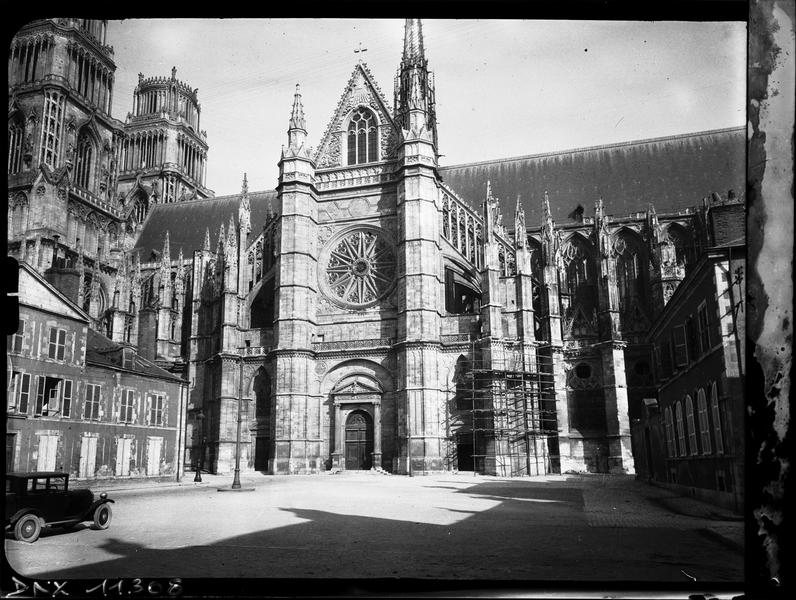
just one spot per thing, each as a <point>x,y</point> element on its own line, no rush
<point>360,268</point>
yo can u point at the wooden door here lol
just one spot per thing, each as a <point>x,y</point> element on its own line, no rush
<point>358,442</point>
<point>88,456</point>
<point>47,448</point>
<point>154,445</point>
<point>11,445</point>
<point>123,457</point>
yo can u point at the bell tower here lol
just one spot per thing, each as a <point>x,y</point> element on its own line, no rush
<point>165,152</point>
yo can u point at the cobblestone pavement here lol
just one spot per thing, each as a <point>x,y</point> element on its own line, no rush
<point>368,525</point>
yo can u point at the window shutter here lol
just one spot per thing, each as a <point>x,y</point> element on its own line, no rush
<point>691,423</point>
<point>680,346</point>
<point>656,360</point>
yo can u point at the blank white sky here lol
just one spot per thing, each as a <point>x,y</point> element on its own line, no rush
<point>504,88</point>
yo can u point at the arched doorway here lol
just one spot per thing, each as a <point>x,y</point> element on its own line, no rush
<point>358,441</point>
<point>261,386</point>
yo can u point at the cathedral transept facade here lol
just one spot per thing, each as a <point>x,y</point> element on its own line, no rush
<point>376,310</point>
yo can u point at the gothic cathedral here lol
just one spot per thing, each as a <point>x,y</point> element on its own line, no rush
<point>374,311</point>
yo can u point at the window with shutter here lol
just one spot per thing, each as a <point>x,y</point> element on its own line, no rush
<point>66,409</point>
<point>692,339</point>
<point>714,405</point>
<point>704,327</point>
<point>670,433</point>
<point>691,424</point>
<point>24,393</point>
<point>680,344</point>
<point>678,414</point>
<point>704,425</point>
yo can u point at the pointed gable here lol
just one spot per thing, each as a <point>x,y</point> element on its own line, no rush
<point>37,292</point>
<point>361,91</point>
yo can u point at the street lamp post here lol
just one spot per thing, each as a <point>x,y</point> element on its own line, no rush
<point>236,486</point>
<point>200,460</point>
<point>236,478</point>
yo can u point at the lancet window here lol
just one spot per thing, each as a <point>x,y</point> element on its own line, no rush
<point>579,274</point>
<point>536,287</point>
<point>52,125</point>
<point>28,59</point>
<point>363,137</point>
<point>629,271</point>
<point>16,133</point>
<point>83,163</point>
<point>446,210</point>
<point>683,245</point>
<point>90,78</point>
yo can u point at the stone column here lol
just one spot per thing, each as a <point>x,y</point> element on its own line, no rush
<point>337,455</point>
<point>617,416</point>
<point>376,434</point>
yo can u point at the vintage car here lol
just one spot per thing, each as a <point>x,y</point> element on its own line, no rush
<point>38,499</point>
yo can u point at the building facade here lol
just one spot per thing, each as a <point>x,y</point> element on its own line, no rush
<point>77,402</point>
<point>375,310</point>
<point>690,437</point>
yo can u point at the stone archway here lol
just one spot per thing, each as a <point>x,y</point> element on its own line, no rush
<point>261,389</point>
<point>357,419</point>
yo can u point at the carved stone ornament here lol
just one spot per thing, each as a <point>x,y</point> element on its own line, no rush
<point>324,234</point>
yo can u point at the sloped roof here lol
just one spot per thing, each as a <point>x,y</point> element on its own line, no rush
<point>53,301</point>
<point>672,173</point>
<point>103,351</point>
<point>187,221</point>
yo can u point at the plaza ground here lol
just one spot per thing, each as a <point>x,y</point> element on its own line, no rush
<point>368,525</point>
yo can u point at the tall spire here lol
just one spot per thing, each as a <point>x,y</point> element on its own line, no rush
<point>520,231</point>
<point>244,210</point>
<point>206,245</point>
<point>166,256</point>
<point>415,108</point>
<point>297,114</point>
<point>296,131</point>
<point>414,53</point>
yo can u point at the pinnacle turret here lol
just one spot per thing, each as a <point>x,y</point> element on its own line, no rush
<point>206,245</point>
<point>244,209</point>
<point>297,114</point>
<point>165,258</point>
<point>519,224</point>
<point>221,239</point>
<point>296,132</point>
<point>415,108</point>
<point>414,53</point>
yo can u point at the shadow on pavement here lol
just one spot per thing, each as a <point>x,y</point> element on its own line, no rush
<point>514,540</point>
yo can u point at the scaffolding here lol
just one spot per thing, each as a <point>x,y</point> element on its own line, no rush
<point>502,418</point>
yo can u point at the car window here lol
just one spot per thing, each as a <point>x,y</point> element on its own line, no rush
<point>55,483</point>
<point>9,486</point>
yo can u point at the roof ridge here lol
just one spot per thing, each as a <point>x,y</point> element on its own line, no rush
<point>226,197</point>
<point>598,147</point>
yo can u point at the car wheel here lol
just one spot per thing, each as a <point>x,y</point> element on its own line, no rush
<point>27,528</point>
<point>102,516</point>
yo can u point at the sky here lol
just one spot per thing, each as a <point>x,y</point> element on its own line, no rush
<point>504,87</point>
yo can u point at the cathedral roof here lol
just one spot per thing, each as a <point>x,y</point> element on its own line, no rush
<point>187,222</point>
<point>672,173</point>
